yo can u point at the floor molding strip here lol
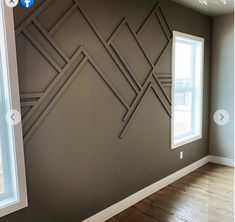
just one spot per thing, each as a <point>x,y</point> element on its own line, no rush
<point>221,160</point>
<point>140,195</point>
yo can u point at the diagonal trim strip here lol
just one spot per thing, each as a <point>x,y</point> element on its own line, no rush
<point>35,125</point>
<point>52,85</point>
<point>51,40</point>
<point>43,51</point>
<point>30,18</point>
<point>135,111</point>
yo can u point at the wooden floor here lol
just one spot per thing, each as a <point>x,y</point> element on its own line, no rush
<point>203,195</point>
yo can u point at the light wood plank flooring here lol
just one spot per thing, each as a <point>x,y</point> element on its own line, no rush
<point>201,196</point>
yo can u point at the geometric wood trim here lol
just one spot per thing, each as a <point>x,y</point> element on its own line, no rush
<point>154,81</point>
<point>168,110</point>
<point>50,40</point>
<point>162,52</point>
<point>62,19</point>
<point>138,105</point>
<point>104,43</point>
<point>162,26</point>
<point>86,59</point>
<point>135,106</point>
<point>165,79</point>
<point>53,101</point>
<point>147,20</point>
<point>124,70</point>
<point>157,11</point>
<point>106,80</point>
<point>31,17</point>
<point>51,86</point>
<point>160,85</point>
<point>129,115</point>
<point>127,67</point>
<point>139,97</point>
<point>135,111</point>
<point>163,98</point>
<point>116,31</point>
<point>30,95</point>
<point>164,75</point>
<point>166,23</point>
<point>44,52</point>
<point>27,103</point>
<point>29,99</point>
<point>139,43</point>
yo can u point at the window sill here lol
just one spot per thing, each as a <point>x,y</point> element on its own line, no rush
<point>185,140</point>
<point>11,205</point>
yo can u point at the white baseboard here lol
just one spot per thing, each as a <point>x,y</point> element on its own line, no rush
<point>140,195</point>
<point>221,160</point>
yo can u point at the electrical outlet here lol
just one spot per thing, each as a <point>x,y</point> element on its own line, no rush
<point>181,155</point>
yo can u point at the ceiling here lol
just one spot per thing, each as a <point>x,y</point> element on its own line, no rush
<point>209,7</point>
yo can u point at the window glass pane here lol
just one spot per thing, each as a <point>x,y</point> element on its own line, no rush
<point>183,61</point>
<point>183,83</point>
<point>184,54</point>
<point>183,64</point>
<point>182,113</point>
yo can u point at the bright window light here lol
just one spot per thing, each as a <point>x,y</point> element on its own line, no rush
<point>187,88</point>
<point>13,194</point>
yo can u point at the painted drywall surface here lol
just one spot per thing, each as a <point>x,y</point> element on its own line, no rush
<point>76,163</point>
<point>222,85</point>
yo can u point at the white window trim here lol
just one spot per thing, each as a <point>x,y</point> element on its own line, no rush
<point>9,68</point>
<point>190,138</point>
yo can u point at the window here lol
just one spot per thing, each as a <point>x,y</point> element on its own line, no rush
<point>187,88</point>
<point>12,170</point>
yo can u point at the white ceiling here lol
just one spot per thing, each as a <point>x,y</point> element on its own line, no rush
<point>209,7</point>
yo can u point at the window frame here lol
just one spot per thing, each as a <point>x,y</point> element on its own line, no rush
<point>190,138</point>
<point>10,73</point>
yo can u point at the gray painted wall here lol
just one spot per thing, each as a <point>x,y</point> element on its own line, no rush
<point>75,161</point>
<point>222,85</point>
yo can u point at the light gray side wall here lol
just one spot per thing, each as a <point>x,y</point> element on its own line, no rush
<point>76,162</point>
<point>222,85</point>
